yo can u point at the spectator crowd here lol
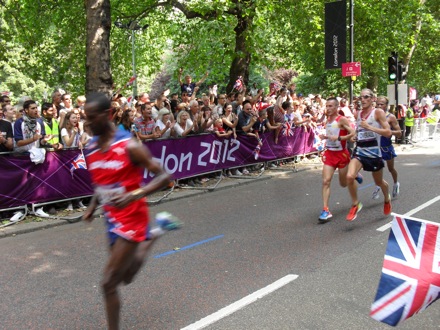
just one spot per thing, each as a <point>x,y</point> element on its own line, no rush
<point>61,123</point>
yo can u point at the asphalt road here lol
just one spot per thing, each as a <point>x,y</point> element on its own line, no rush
<point>234,243</point>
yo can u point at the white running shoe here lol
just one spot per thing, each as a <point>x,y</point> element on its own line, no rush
<point>69,207</point>
<point>238,173</point>
<point>376,192</point>
<point>39,212</point>
<point>17,216</point>
<point>396,189</point>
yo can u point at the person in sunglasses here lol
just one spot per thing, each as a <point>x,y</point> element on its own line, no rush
<point>367,155</point>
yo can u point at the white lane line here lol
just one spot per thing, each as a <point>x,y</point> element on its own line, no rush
<point>413,211</point>
<point>228,310</point>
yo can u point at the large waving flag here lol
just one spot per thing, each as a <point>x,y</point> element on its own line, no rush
<point>410,279</point>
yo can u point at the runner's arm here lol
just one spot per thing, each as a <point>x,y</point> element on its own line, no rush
<point>394,125</point>
<point>141,156</point>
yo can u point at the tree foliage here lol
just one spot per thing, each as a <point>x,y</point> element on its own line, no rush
<point>43,43</point>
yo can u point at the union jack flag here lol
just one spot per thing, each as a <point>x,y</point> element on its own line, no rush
<point>78,162</point>
<point>410,279</point>
<point>131,81</point>
<point>319,144</point>
<point>239,83</point>
<point>287,128</point>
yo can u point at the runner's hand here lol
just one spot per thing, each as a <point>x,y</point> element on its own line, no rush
<point>88,214</point>
<point>123,200</point>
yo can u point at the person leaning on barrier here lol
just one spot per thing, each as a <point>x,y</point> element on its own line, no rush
<point>28,132</point>
<point>230,120</point>
<point>219,130</point>
<point>50,125</point>
<point>246,118</point>
<point>195,115</point>
<point>145,124</point>
<point>184,125</point>
<point>206,121</point>
<point>70,131</point>
<point>164,123</point>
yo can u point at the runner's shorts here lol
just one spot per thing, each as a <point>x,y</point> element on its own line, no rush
<point>336,158</point>
<point>371,164</point>
<point>129,223</point>
<point>388,153</point>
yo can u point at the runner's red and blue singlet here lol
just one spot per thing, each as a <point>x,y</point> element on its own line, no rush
<point>113,174</point>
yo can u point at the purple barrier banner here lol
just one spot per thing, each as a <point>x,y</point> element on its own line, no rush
<point>198,154</point>
<point>23,182</point>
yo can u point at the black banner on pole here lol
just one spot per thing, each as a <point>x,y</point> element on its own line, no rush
<point>335,34</point>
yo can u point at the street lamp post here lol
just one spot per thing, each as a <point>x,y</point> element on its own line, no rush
<point>132,26</point>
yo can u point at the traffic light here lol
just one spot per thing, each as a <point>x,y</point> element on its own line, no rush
<point>402,71</point>
<point>392,66</point>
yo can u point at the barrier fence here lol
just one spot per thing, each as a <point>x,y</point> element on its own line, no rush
<point>24,183</point>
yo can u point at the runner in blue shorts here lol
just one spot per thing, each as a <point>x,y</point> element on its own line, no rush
<point>386,146</point>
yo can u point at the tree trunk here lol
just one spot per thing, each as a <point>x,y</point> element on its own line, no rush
<point>98,71</point>
<point>240,63</point>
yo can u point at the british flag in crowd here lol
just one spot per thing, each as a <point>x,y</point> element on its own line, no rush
<point>319,144</point>
<point>410,279</point>
<point>287,129</point>
<point>78,162</point>
<point>131,81</point>
<point>239,83</point>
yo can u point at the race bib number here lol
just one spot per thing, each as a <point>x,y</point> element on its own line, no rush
<point>106,193</point>
<point>365,135</point>
<point>333,144</point>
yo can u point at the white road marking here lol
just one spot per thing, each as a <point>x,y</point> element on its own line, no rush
<point>228,310</point>
<point>410,213</point>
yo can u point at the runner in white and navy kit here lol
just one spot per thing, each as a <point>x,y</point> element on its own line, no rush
<point>371,124</point>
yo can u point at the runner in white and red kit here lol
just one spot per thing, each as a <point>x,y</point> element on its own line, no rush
<point>338,131</point>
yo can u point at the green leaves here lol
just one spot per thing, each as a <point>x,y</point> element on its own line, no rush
<point>43,42</point>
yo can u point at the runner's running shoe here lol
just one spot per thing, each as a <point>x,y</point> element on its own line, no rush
<point>325,215</point>
<point>376,193</point>
<point>396,189</point>
<point>167,221</point>
<point>359,178</point>
<point>354,211</point>
<point>387,207</point>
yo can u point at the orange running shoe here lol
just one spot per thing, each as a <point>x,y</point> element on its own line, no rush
<point>354,211</point>
<point>387,207</point>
